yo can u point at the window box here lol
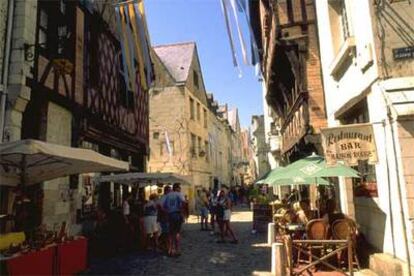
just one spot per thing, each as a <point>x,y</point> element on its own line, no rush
<point>345,53</point>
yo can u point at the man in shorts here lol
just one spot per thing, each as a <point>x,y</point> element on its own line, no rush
<point>203,204</point>
<point>173,204</point>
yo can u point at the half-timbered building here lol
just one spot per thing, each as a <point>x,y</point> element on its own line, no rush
<point>78,93</point>
<point>286,36</point>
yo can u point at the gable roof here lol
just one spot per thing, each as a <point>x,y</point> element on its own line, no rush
<point>177,58</point>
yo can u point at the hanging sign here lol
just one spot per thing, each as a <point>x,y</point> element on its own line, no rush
<point>350,144</point>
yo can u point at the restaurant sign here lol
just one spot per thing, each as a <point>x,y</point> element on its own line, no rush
<point>349,143</point>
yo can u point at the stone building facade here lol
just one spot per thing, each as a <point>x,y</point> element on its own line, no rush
<point>179,116</point>
<point>259,145</point>
<point>367,59</point>
<point>219,135</point>
<point>66,86</point>
<point>190,134</point>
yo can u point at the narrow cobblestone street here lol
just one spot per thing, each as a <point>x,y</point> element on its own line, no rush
<point>201,255</point>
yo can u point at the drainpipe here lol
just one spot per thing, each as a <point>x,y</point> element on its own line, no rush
<point>5,73</point>
<point>400,197</point>
<point>389,190</point>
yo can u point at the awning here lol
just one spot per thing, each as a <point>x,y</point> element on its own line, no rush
<point>32,161</point>
<point>144,179</point>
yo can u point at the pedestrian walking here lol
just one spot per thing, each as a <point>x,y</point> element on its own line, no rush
<point>203,204</point>
<point>150,222</point>
<point>223,217</point>
<point>163,221</point>
<point>213,211</point>
<point>173,203</point>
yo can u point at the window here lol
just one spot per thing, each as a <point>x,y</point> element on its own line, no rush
<point>339,23</point>
<point>195,79</point>
<point>126,94</point>
<point>205,117</point>
<point>200,147</point>
<point>193,145</point>
<point>156,135</point>
<point>366,186</point>
<point>55,28</point>
<point>198,112</point>
<point>206,150</point>
<point>192,112</point>
<point>43,20</point>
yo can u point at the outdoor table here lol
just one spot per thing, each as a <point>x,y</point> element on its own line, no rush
<point>32,263</point>
<point>294,227</point>
<point>295,230</point>
<point>72,256</point>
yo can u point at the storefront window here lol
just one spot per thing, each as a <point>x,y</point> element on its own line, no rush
<point>366,186</point>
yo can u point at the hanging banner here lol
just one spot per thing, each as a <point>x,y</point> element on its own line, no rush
<point>134,41</point>
<point>349,143</point>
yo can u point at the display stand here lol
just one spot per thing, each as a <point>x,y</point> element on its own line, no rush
<point>72,256</point>
<point>67,258</point>
<point>33,263</point>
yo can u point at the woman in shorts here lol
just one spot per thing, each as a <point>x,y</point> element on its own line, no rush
<point>223,217</point>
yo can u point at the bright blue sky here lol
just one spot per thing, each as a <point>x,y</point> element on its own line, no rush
<point>202,21</point>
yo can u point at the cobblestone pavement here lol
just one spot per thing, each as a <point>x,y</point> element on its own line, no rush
<point>201,255</point>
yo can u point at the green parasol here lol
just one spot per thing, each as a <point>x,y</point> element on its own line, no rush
<point>271,175</point>
<point>297,180</point>
<point>314,166</point>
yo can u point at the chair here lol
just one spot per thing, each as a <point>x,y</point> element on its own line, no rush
<point>343,229</point>
<point>316,229</point>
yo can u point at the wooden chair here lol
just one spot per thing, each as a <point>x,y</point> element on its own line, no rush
<point>343,229</point>
<point>316,229</point>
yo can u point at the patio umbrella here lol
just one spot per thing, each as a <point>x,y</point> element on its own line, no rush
<point>271,175</point>
<point>146,178</point>
<point>259,180</point>
<point>314,166</point>
<point>29,161</point>
<point>297,180</point>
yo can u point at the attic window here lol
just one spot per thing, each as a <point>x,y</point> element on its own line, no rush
<point>195,77</point>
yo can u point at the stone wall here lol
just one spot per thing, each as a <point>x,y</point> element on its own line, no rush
<point>393,24</point>
<point>57,203</point>
<point>3,27</point>
<point>24,30</point>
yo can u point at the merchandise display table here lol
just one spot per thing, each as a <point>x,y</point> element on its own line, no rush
<point>72,256</point>
<point>33,263</point>
<point>67,258</point>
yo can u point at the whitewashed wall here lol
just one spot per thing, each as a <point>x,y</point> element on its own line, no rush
<point>372,214</point>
